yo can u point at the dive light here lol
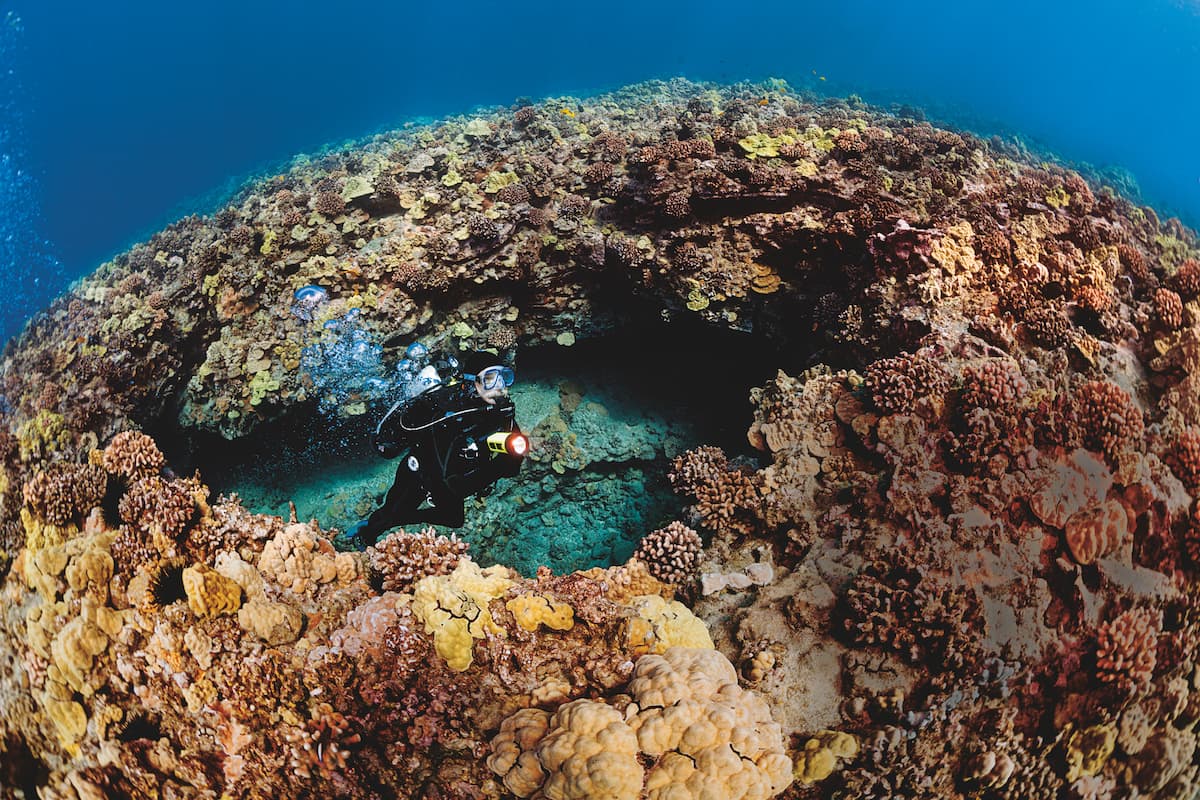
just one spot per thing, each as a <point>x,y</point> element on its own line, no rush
<point>514,443</point>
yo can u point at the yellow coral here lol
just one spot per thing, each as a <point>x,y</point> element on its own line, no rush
<point>820,754</point>
<point>495,181</point>
<point>44,434</point>
<point>1058,197</point>
<point>658,624</point>
<point>765,281</point>
<point>590,754</point>
<point>700,734</point>
<point>1088,749</point>
<point>70,721</point>
<point>299,559</point>
<point>708,731</point>
<point>954,252</point>
<point>513,757</point>
<point>454,608</point>
<point>90,571</point>
<point>532,610</point>
<point>261,385</point>
<point>199,694</point>
<point>79,642</point>
<point>210,593</point>
<point>274,623</point>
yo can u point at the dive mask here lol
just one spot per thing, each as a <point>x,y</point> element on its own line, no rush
<point>494,377</point>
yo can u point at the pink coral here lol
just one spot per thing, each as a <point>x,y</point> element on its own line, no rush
<point>1126,650</point>
<point>1106,418</point>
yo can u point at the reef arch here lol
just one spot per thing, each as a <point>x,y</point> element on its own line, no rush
<point>966,545</point>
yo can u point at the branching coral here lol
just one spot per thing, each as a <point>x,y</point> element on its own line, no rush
<point>1103,418</point>
<point>133,455</point>
<point>671,553</point>
<point>897,384</point>
<point>158,508</point>
<point>64,493</point>
<point>1030,395</point>
<point>402,559</point>
<point>1184,457</point>
<point>1126,649</point>
<point>922,618</point>
<point>727,498</point>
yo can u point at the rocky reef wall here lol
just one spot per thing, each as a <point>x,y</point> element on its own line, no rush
<point>963,564</point>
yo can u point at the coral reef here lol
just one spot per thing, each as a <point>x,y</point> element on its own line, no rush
<point>957,557</point>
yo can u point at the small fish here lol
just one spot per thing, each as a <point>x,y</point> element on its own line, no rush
<point>566,112</point>
<point>821,78</point>
<point>764,101</point>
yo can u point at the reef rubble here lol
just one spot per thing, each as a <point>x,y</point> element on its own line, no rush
<point>963,564</point>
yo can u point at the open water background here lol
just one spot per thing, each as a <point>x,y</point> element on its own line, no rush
<point>118,117</point>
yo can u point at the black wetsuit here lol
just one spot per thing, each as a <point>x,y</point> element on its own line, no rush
<point>441,438</point>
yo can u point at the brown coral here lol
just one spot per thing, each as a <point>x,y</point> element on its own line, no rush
<point>897,384</point>
<point>329,204</point>
<point>153,505</point>
<point>1184,457</point>
<point>402,559</point>
<point>64,493</point>
<point>671,553</point>
<point>133,455</point>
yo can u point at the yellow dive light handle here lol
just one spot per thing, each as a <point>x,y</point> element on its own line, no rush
<point>514,443</point>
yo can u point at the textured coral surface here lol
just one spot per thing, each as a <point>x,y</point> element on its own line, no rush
<point>963,562</point>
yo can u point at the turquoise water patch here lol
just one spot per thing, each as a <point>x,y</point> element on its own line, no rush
<point>594,483</point>
<point>604,418</point>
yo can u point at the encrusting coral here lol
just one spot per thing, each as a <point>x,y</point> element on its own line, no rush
<point>956,554</point>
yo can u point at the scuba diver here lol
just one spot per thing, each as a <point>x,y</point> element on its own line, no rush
<point>455,437</point>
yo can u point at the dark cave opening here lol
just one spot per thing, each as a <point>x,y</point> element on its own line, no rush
<point>20,769</point>
<point>637,396</point>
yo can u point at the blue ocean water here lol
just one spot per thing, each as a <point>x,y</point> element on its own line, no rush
<point>118,118</point>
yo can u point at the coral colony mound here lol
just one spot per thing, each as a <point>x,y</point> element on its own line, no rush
<point>953,551</point>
